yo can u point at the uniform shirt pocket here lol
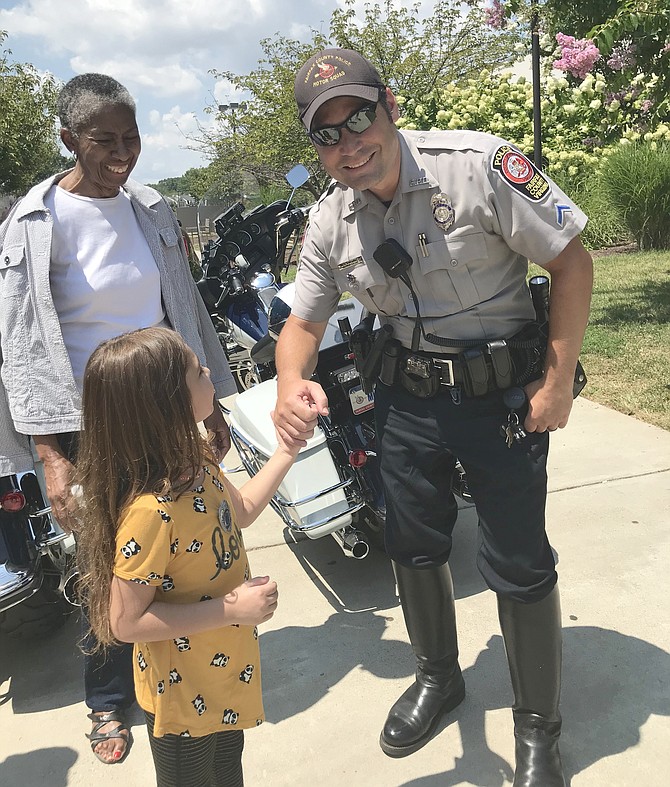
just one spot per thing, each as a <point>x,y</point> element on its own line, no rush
<point>371,287</point>
<point>13,271</point>
<point>452,267</point>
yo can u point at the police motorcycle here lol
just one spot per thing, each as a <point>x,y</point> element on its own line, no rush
<point>242,270</point>
<point>334,487</point>
<point>38,577</point>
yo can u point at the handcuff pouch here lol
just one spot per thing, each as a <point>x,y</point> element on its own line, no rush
<point>501,363</point>
<point>475,373</point>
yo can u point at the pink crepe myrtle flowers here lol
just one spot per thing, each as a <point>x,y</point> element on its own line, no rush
<point>577,55</point>
<point>495,16</point>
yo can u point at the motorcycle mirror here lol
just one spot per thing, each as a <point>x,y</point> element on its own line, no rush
<point>297,176</point>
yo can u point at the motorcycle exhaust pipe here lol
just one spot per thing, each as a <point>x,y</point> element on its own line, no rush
<point>69,588</point>
<point>352,541</point>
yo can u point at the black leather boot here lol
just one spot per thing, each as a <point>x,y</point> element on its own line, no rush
<point>533,641</point>
<point>427,598</point>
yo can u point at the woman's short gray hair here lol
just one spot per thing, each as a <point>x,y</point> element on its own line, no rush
<point>86,95</point>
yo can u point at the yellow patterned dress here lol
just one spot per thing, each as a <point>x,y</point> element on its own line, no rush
<point>191,549</point>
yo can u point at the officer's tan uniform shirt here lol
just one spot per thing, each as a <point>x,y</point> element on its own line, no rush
<point>191,549</point>
<point>470,276</point>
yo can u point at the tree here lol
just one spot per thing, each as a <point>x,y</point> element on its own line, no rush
<point>412,54</point>
<point>28,134</point>
<point>635,40</point>
<point>168,187</point>
<point>267,138</point>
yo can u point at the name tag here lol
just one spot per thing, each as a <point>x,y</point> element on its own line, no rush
<point>350,263</point>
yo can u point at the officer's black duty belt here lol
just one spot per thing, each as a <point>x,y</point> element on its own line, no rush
<point>476,371</point>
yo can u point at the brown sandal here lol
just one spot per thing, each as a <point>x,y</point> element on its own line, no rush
<point>99,720</point>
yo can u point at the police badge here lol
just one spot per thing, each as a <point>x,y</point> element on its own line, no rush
<point>443,210</point>
<point>225,519</point>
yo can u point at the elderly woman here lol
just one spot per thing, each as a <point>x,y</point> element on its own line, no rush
<point>85,256</point>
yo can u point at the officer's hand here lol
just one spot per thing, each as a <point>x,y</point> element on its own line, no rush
<point>549,405</point>
<point>299,403</point>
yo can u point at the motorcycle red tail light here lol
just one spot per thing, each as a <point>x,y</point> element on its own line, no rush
<point>357,458</point>
<point>12,501</point>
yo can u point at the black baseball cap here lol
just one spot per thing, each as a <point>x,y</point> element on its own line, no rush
<point>331,73</point>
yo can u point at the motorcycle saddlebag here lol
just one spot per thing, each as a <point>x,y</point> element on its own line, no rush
<point>310,499</point>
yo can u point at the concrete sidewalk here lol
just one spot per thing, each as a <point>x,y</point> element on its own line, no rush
<point>335,656</point>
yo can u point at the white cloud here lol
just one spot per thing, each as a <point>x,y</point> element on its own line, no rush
<point>169,79</point>
<point>169,143</point>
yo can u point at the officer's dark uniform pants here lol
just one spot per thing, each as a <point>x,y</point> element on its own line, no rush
<point>419,440</point>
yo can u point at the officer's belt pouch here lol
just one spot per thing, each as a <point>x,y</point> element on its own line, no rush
<point>501,363</point>
<point>475,373</point>
<point>419,377</point>
<point>390,362</point>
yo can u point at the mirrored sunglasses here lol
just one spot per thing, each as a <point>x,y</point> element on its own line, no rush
<point>360,121</point>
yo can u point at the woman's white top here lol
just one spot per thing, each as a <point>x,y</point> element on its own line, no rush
<point>104,279</point>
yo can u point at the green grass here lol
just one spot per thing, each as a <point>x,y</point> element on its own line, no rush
<point>626,351</point>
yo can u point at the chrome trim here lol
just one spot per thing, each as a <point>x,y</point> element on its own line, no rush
<point>41,512</point>
<point>293,525</point>
<point>352,542</point>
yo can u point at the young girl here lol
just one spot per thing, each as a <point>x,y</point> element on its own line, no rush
<point>165,564</point>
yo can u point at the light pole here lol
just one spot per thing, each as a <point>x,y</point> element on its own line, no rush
<point>232,110</point>
<point>535,62</point>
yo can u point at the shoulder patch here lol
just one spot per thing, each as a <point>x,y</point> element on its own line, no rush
<point>520,173</point>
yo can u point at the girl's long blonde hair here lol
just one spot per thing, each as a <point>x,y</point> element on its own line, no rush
<point>139,435</point>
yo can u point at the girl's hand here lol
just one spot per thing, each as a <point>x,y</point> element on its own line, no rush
<point>285,444</point>
<point>253,602</point>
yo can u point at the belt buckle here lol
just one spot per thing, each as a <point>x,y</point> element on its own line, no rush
<point>446,367</point>
<point>419,367</point>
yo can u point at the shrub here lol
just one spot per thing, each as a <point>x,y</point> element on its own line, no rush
<point>606,226</point>
<point>636,179</point>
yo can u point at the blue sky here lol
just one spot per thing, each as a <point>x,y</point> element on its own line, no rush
<point>161,50</point>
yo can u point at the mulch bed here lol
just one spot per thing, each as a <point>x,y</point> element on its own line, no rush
<point>627,248</point>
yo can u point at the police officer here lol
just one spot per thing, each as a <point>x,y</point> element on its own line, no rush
<point>463,212</point>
